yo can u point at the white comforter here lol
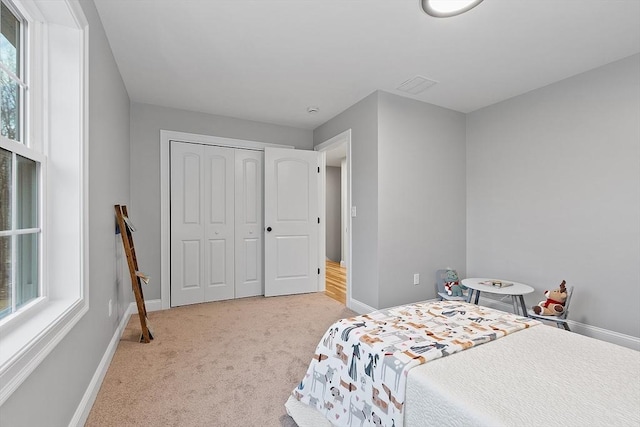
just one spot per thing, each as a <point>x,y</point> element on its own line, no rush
<point>358,373</point>
<point>539,376</point>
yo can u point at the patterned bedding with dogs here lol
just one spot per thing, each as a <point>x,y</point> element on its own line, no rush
<point>359,371</point>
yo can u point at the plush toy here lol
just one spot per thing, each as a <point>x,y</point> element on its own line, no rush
<point>554,304</point>
<point>452,284</point>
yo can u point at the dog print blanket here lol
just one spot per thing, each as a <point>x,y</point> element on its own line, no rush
<point>358,374</point>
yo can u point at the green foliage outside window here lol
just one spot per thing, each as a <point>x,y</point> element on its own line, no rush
<point>19,193</point>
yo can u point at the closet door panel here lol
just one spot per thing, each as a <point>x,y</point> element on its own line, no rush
<point>249,223</point>
<point>217,263</point>
<point>220,223</point>
<point>187,227</point>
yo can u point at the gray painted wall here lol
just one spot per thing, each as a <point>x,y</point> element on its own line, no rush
<point>146,123</point>
<point>362,119</point>
<point>553,182</point>
<point>52,393</point>
<point>332,214</point>
<point>421,196</point>
<point>408,184</point>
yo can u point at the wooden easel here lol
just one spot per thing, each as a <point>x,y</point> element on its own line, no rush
<point>126,230</point>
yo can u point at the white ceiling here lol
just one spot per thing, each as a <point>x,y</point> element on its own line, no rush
<point>268,60</point>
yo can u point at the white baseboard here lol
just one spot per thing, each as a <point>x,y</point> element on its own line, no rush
<point>152,305</point>
<point>359,307</point>
<point>577,327</point>
<point>82,412</point>
<point>606,335</point>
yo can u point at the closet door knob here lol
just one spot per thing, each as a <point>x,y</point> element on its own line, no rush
<point>269,229</point>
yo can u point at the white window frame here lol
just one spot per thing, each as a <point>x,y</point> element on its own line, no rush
<point>18,149</point>
<point>56,125</point>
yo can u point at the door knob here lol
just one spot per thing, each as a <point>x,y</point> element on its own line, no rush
<point>269,229</point>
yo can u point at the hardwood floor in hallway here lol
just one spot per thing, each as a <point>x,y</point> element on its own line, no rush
<point>336,281</point>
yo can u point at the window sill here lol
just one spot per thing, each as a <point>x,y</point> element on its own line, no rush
<point>25,345</point>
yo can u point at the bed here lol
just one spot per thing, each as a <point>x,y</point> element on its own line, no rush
<point>536,374</point>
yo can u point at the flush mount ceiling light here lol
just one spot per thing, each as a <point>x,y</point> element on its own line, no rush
<point>446,8</point>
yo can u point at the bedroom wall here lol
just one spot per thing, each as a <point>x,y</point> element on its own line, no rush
<point>332,214</point>
<point>52,393</point>
<point>553,183</point>
<point>362,119</point>
<point>146,123</point>
<point>421,196</point>
<point>408,184</point>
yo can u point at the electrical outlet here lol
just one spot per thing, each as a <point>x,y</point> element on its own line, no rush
<point>110,307</point>
<point>416,279</point>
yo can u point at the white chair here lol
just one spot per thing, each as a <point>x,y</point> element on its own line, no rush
<point>561,319</point>
<point>441,279</point>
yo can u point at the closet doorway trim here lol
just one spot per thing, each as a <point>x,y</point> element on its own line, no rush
<point>166,136</point>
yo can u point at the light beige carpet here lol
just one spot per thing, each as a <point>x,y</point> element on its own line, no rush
<point>230,363</point>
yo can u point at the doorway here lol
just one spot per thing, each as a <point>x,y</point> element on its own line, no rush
<point>336,200</point>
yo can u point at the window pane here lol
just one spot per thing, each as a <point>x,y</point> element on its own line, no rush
<point>27,193</point>
<point>9,107</point>
<point>5,276</point>
<point>5,189</point>
<point>26,269</point>
<point>9,40</point>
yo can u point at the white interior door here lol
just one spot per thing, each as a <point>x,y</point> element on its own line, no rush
<point>249,209</point>
<point>202,223</point>
<point>291,221</point>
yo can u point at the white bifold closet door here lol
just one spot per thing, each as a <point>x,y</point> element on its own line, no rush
<point>216,222</point>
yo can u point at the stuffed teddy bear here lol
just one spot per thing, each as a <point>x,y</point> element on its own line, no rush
<point>554,304</point>
<point>452,284</point>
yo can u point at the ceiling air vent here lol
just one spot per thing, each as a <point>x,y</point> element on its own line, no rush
<point>416,85</point>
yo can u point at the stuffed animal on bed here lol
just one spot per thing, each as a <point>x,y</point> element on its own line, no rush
<point>452,284</point>
<point>554,304</point>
